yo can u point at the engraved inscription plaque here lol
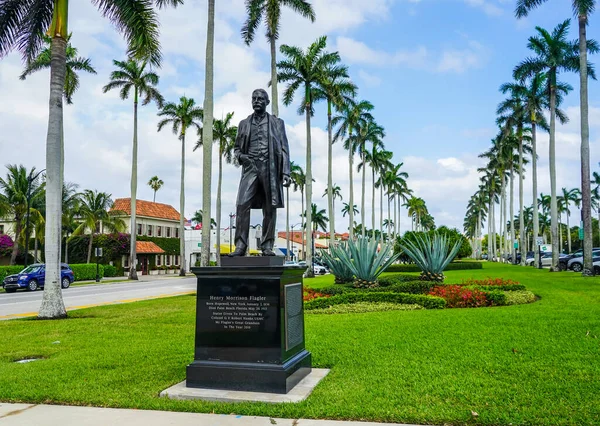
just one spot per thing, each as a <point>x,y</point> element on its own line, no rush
<point>294,321</point>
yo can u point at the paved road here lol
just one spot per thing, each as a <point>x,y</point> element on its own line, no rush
<point>24,303</point>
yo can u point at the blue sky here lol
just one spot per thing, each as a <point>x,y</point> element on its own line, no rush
<point>432,69</point>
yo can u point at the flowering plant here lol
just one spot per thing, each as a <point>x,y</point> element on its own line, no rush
<point>457,296</point>
<point>490,281</point>
<point>6,244</point>
<point>311,293</point>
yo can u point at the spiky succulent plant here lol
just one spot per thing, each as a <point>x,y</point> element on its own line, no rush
<point>340,269</point>
<point>432,255</point>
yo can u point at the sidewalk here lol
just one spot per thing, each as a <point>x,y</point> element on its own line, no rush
<point>60,415</point>
<point>141,279</point>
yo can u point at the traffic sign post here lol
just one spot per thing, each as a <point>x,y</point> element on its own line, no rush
<point>98,253</point>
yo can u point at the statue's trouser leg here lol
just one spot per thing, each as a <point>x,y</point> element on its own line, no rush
<point>268,230</point>
<point>248,188</point>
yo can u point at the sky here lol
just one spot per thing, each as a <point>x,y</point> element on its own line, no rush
<point>432,69</point>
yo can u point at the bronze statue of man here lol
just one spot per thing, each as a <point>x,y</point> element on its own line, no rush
<point>261,148</point>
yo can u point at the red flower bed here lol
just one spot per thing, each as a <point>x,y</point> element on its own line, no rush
<point>490,281</point>
<point>457,296</point>
<point>311,293</point>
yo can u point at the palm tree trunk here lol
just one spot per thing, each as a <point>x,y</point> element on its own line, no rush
<point>552,156</point>
<point>381,211</point>
<point>90,245</point>
<point>274,95</point>
<point>569,233</point>
<point>351,197</point>
<point>522,236</point>
<point>134,161</point>
<point>362,202</point>
<point>512,216</point>
<point>373,202</point>
<point>489,226</point>
<point>395,216</point>
<point>207,135</point>
<point>52,306</point>
<point>536,215</point>
<point>67,249</point>
<point>309,226</point>
<point>302,230</point>
<point>35,249</point>
<point>287,222</point>
<point>154,198</point>
<point>502,218</point>
<point>219,182</point>
<point>182,268</point>
<point>586,196</point>
<point>560,236</point>
<point>330,175</point>
<point>389,225</point>
<point>15,249</point>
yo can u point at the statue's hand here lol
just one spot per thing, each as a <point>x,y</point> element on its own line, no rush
<point>244,159</point>
<point>286,181</point>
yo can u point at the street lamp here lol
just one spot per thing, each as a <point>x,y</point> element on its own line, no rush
<point>293,226</point>
<point>30,180</point>
<point>231,216</point>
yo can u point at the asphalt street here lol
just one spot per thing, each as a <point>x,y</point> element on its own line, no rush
<point>26,303</point>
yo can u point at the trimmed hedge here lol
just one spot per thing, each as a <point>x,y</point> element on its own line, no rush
<point>428,302</point>
<point>496,297</point>
<point>454,266</point>
<point>9,270</point>
<point>513,287</point>
<point>396,278</point>
<point>110,271</point>
<point>86,271</point>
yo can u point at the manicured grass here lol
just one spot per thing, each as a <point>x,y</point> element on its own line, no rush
<point>535,364</point>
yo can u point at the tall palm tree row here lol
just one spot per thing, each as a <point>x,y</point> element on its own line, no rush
<point>183,116</point>
<point>22,26</point>
<point>132,74</point>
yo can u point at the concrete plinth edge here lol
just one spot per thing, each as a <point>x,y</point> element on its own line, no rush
<point>299,393</point>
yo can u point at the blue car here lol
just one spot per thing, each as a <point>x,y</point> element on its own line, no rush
<point>33,277</point>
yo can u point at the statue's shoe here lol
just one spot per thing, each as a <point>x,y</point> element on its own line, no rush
<point>268,252</point>
<point>238,252</point>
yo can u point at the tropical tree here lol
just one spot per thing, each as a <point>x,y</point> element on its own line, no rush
<point>337,89</point>
<point>224,135</point>
<point>182,116</point>
<point>155,184</point>
<point>74,63</point>
<point>319,218</point>
<point>336,192</point>
<point>399,190</point>
<point>270,12</point>
<point>19,186</point>
<point>554,53</point>
<point>207,134</point>
<point>22,25</point>
<point>582,9</point>
<point>351,115</point>
<point>298,179</point>
<point>346,209</point>
<point>567,198</point>
<point>198,218</point>
<point>303,71</point>
<point>132,74</point>
<point>95,218</point>
<point>70,207</point>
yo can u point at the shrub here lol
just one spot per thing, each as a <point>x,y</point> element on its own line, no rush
<point>512,287</point>
<point>9,270</point>
<point>362,307</point>
<point>519,297</point>
<point>337,289</point>
<point>86,271</point>
<point>311,293</point>
<point>428,302</point>
<point>490,282</point>
<point>454,266</point>
<point>454,236</point>
<point>457,296</point>
<point>110,271</point>
<point>392,279</point>
<point>496,297</point>
<point>340,269</point>
<point>432,255</point>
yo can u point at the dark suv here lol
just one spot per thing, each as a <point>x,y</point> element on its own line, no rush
<point>33,277</point>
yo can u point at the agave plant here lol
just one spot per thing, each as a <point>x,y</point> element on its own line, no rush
<point>431,255</point>
<point>366,264</point>
<point>340,269</point>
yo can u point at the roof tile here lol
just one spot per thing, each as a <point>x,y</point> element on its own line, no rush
<point>146,208</point>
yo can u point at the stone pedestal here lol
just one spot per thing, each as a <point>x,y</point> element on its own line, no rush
<point>249,327</point>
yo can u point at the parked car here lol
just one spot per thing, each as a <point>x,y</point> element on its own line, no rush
<point>34,276</point>
<point>320,270</point>
<point>576,263</point>
<point>579,253</point>
<point>597,268</point>
<point>546,260</point>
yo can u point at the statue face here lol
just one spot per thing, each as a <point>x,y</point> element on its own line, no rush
<point>259,101</point>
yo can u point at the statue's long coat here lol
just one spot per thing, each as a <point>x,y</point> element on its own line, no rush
<point>279,158</point>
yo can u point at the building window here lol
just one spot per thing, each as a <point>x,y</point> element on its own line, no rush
<point>168,260</point>
<point>149,230</point>
<point>159,231</point>
<point>126,263</point>
<point>176,232</point>
<point>168,229</point>
<point>1,229</point>
<point>139,229</point>
<point>176,260</point>
<point>158,260</point>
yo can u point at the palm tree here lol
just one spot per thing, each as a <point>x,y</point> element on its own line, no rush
<point>352,115</point>
<point>298,179</point>
<point>207,134</point>
<point>70,208</point>
<point>74,63</point>
<point>346,210</point>
<point>400,191</point>
<point>19,186</point>
<point>183,116</point>
<point>270,12</point>
<point>319,218</point>
<point>155,183</point>
<point>338,90</point>
<point>22,25</point>
<point>336,192</point>
<point>224,134</point>
<point>94,216</point>
<point>303,71</point>
<point>129,75</point>
<point>567,197</point>
<point>554,54</point>
<point>198,218</point>
<point>583,9</point>
<point>373,133</point>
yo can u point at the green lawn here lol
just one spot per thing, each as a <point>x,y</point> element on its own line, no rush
<point>536,364</point>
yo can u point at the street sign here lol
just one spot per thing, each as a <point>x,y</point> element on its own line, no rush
<point>516,244</point>
<point>581,231</point>
<point>539,241</point>
<point>98,252</point>
<point>546,248</point>
<point>199,244</point>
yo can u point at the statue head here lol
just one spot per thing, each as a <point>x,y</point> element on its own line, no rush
<point>260,100</point>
